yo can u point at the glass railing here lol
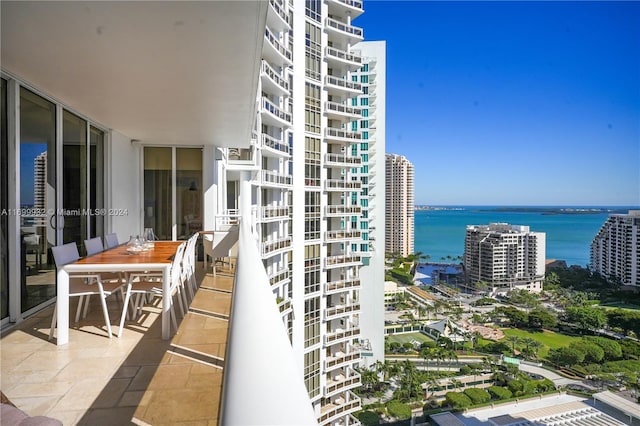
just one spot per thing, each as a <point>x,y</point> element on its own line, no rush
<point>281,13</point>
<point>277,45</point>
<point>341,260</point>
<point>275,144</point>
<point>342,184</point>
<point>331,132</point>
<point>343,235</point>
<point>273,75</point>
<point>342,209</point>
<point>342,284</point>
<point>345,28</point>
<point>275,178</point>
<point>275,110</point>
<point>343,55</point>
<point>342,159</point>
<point>343,109</point>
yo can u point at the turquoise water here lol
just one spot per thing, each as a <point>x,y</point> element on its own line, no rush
<point>440,233</point>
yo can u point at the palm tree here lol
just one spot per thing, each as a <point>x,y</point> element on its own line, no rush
<point>369,378</point>
<point>425,353</point>
<point>513,340</point>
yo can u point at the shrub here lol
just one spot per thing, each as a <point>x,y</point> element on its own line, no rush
<point>458,400</point>
<point>612,349</point>
<point>368,418</point>
<point>477,395</point>
<point>465,370</point>
<point>499,392</point>
<point>398,410</point>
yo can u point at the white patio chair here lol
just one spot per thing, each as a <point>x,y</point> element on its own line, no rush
<point>145,284</point>
<point>189,266</point>
<point>94,246</point>
<point>81,285</point>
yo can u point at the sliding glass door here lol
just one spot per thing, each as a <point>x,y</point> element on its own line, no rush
<point>4,202</point>
<point>173,191</point>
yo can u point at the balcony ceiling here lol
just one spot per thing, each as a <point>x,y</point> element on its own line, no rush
<point>161,72</point>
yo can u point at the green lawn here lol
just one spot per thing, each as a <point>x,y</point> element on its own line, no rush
<point>408,337</point>
<point>549,339</point>
<point>620,305</point>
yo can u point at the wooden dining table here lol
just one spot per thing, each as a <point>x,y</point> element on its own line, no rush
<point>156,259</point>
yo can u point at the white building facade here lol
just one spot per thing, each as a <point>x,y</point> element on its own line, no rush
<point>615,250</point>
<point>505,257</point>
<point>400,205</point>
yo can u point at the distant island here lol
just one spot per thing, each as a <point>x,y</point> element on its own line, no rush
<point>532,209</point>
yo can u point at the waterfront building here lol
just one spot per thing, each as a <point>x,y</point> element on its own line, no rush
<point>505,257</point>
<point>399,200</point>
<point>264,113</point>
<point>615,250</point>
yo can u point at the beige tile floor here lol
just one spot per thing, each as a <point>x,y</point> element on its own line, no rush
<point>136,379</point>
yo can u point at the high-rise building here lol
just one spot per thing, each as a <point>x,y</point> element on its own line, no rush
<point>40,181</point>
<point>400,208</point>
<point>314,179</point>
<point>504,257</point>
<point>615,250</point>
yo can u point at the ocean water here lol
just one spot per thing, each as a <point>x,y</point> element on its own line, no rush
<point>440,233</point>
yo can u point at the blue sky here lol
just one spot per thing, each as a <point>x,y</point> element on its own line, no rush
<point>513,103</point>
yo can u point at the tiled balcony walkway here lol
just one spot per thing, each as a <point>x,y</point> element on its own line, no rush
<point>137,379</point>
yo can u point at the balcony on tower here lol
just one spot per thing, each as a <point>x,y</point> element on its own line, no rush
<point>352,8</point>
<point>343,260</point>
<point>336,408</point>
<point>340,58</point>
<point>342,235</point>
<point>342,285</point>
<point>273,115</point>
<point>272,80</point>
<point>341,111</point>
<point>342,136</point>
<point>275,179</point>
<point>333,312</point>
<point>272,247</point>
<point>343,32</point>
<point>273,213</point>
<point>341,160</point>
<point>277,18</point>
<point>274,147</point>
<point>335,84</point>
<point>339,185</point>
<point>338,210</point>
<point>275,51</point>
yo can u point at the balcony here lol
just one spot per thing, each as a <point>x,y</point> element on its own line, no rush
<point>338,311</point>
<point>342,235</point>
<point>272,82</point>
<point>274,147</point>
<point>340,359</point>
<point>334,287</point>
<point>279,277</point>
<point>274,51</point>
<point>342,210</point>
<point>342,185</point>
<point>274,213</point>
<point>351,8</point>
<point>271,248</point>
<point>241,159</point>
<point>341,160</point>
<point>285,307</point>
<point>277,17</point>
<point>347,34</point>
<point>273,115</point>
<point>332,411</point>
<point>342,136</point>
<point>348,87</point>
<point>341,383</point>
<point>343,260</point>
<point>273,179</point>
<point>342,58</point>
<point>343,112</point>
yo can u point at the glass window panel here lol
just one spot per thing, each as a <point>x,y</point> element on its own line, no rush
<point>74,179</point>
<point>96,181</point>
<point>157,191</point>
<point>37,198</point>
<point>188,191</point>
<point>4,203</point>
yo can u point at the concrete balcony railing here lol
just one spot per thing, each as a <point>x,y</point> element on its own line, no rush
<point>282,117</point>
<point>274,212</point>
<point>346,85</point>
<point>341,210</point>
<point>341,384</point>
<point>343,260</point>
<point>278,11</point>
<point>356,4</point>
<point>275,179</point>
<point>343,235</point>
<point>344,28</point>
<point>271,247</point>
<point>278,48</point>
<point>331,412</point>
<point>344,56</point>
<point>342,285</point>
<point>340,335</point>
<point>342,185</point>
<point>343,136</point>
<point>279,277</point>
<point>340,310</point>
<point>275,145</point>
<point>268,71</point>
<point>340,360</point>
<point>341,160</point>
<point>342,110</point>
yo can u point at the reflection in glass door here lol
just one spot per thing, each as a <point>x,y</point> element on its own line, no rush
<point>173,215</point>
<point>37,199</point>
<point>4,203</point>
<point>74,179</point>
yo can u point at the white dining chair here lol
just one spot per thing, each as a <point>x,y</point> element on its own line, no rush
<point>111,240</point>
<point>145,284</point>
<point>189,267</point>
<point>82,286</point>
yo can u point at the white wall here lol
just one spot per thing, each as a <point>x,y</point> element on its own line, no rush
<point>123,183</point>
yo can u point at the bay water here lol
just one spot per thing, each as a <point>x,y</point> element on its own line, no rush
<point>439,232</point>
